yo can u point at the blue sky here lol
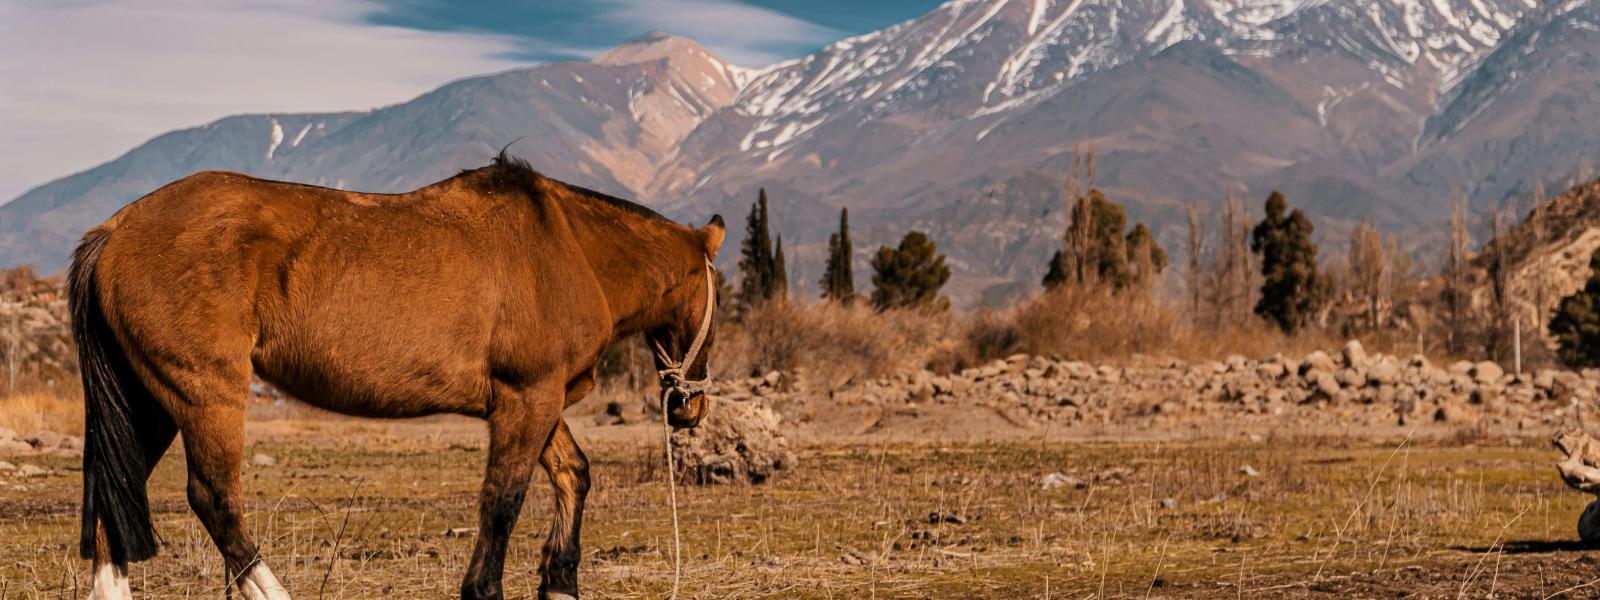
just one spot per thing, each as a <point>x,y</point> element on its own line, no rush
<point>82,81</point>
<point>752,32</point>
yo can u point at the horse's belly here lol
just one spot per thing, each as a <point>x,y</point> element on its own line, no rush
<point>375,376</point>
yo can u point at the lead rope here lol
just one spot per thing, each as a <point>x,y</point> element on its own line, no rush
<point>673,377</point>
<point>672,493</point>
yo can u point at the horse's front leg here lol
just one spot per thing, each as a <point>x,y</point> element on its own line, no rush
<point>569,475</point>
<point>520,425</point>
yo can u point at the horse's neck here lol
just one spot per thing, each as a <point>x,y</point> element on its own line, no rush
<point>634,279</point>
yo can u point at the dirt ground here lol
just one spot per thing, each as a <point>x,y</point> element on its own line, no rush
<point>900,505</point>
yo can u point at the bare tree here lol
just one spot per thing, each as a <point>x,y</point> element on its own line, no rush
<point>1368,266</point>
<point>1194,274</point>
<point>11,342</point>
<point>1233,274</point>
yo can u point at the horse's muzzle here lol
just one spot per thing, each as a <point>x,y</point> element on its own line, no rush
<point>683,412</point>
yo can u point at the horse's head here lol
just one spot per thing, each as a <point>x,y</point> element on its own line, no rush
<point>682,345</point>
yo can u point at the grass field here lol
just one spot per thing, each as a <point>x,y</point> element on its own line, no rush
<point>378,511</point>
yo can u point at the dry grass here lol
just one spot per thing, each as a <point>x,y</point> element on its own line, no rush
<point>1099,325</point>
<point>830,342</point>
<point>33,411</point>
<point>365,516</point>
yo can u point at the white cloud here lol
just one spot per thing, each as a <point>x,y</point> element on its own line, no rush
<point>83,81</point>
<point>740,33</point>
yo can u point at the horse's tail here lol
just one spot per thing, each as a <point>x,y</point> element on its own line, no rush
<point>113,459</point>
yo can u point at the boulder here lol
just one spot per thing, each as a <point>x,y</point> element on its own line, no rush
<point>1383,372</point>
<point>1487,372</point>
<point>738,442</point>
<point>43,440</point>
<point>1354,354</point>
<point>1318,360</point>
<point>1327,384</point>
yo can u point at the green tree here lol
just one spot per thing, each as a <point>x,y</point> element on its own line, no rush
<point>1057,273</point>
<point>757,264</point>
<point>1292,289</point>
<point>1576,324</point>
<point>909,276</point>
<point>780,274</point>
<point>1146,258</point>
<point>1097,251</point>
<point>838,282</point>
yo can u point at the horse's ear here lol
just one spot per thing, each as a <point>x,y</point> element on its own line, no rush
<point>711,235</point>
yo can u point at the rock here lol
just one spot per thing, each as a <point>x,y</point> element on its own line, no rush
<point>1461,367</point>
<point>7,433</point>
<point>1249,471</point>
<point>25,471</point>
<point>1057,479</point>
<point>1271,371</point>
<point>959,386</point>
<point>1487,372</point>
<point>6,467</point>
<point>738,442</point>
<point>945,516</point>
<point>1354,355</point>
<point>43,440</point>
<point>1169,503</point>
<point>1327,385</point>
<point>1236,363</point>
<point>1320,361</point>
<point>1419,362</point>
<point>72,442</point>
<point>1352,378</point>
<point>15,447</point>
<point>262,460</point>
<point>1545,379</point>
<point>772,379</point>
<point>1386,395</point>
<point>1383,372</point>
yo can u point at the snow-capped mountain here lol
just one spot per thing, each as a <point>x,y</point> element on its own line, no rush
<point>961,122</point>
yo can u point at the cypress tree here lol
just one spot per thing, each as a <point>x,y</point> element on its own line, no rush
<point>838,282</point>
<point>1576,324</point>
<point>1292,289</point>
<point>756,261</point>
<point>1057,273</point>
<point>780,274</point>
<point>909,276</point>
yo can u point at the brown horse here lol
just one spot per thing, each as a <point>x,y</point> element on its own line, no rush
<point>490,294</point>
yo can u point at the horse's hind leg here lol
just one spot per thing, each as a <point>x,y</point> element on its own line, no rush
<point>214,442</point>
<point>207,400</point>
<point>569,475</point>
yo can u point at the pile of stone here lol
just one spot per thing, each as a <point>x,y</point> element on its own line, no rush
<point>39,442</point>
<point>739,441</point>
<point>1350,385</point>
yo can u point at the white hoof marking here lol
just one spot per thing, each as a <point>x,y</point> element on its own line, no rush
<point>110,583</point>
<point>260,584</point>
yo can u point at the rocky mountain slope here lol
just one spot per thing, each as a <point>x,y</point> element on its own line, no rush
<point>962,121</point>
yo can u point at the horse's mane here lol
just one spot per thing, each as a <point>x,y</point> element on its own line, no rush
<point>515,174</point>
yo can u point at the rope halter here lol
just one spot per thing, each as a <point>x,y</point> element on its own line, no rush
<point>674,378</point>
